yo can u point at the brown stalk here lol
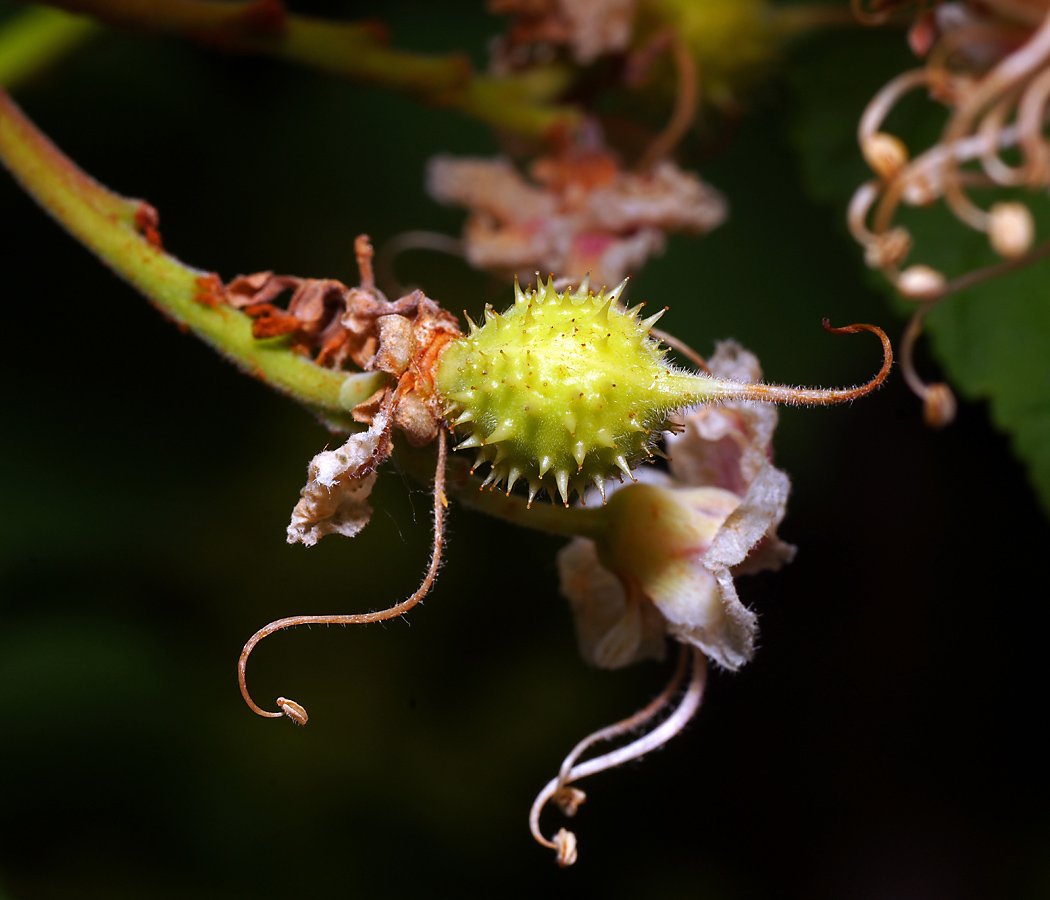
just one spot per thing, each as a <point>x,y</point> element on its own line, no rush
<point>776,393</point>
<point>686,104</point>
<point>289,707</point>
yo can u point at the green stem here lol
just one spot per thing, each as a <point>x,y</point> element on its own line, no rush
<point>355,51</point>
<point>571,521</point>
<point>31,41</point>
<point>464,487</point>
<point>122,233</point>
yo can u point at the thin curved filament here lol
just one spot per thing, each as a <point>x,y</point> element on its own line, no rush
<point>682,347</point>
<point>1016,68</point>
<point>564,842</point>
<point>775,393</point>
<point>686,105</point>
<point>290,708</point>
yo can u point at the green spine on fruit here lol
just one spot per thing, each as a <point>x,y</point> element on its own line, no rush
<point>563,390</point>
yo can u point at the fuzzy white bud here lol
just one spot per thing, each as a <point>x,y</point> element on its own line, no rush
<point>888,248</point>
<point>920,282</point>
<point>885,154</point>
<point>1011,229</point>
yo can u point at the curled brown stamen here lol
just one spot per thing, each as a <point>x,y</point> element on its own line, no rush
<point>290,708</point>
<point>410,240</point>
<point>775,393</point>
<point>1010,72</point>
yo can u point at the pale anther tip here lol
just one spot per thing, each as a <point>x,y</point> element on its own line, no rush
<point>565,847</point>
<point>293,710</point>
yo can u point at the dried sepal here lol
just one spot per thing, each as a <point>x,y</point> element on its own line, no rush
<point>335,497</point>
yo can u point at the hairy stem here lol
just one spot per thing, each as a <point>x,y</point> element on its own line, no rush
<point>122,233</point>
<point>33,40</point>
<point>718,390</point>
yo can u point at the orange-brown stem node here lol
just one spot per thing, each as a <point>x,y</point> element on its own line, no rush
<point>147,221</point>
<point>210,291</point>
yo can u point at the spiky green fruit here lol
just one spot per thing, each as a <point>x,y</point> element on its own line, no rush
<point>562,390</point>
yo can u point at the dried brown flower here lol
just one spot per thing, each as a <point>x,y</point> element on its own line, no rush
<point>579,212</point>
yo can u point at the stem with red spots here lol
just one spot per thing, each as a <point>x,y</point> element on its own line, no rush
<point>122,233</point>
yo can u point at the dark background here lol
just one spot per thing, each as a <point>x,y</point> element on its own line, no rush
<point>885,743</point>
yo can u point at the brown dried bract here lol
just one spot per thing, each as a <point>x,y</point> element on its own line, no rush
<point>312,318</point>
<point>404,339</point>
<point>338,326</point>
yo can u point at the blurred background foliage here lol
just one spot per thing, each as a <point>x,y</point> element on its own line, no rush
<point>885,742</point>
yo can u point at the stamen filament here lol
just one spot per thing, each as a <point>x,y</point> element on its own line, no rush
<point>682,347</point>
<point>565,842</point>
<point>289,707</point>
<point>686,104</point>
<point>775,393</point>
<point>1011,71</point>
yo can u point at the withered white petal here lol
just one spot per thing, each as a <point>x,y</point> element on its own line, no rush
<point>335,497</point>
<point>610,632</point>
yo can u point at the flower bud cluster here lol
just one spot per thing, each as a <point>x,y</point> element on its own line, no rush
<point>996,92</point>
<point>579,212</point>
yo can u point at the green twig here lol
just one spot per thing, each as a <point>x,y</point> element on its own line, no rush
<point>32,40</point>
<point>122,232</point>
<point>356,51</point>
<point>467,489</point>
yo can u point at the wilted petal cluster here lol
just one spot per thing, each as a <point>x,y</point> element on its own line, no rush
<point>577,213</point>
<point>666,562</point>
